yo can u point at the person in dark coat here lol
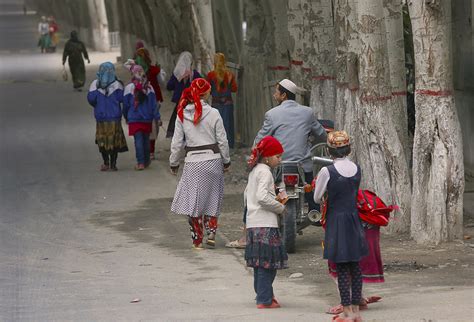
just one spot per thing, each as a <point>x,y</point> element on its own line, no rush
<point>344,240</point>
<point>74,50</point>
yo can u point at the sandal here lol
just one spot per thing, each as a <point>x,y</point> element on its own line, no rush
<point>104,167</point>
<point>372,299</point>
<point>211,240</point>
<point>340,318</point>
<point>275,301</point>
<point>235,244</point>
<point>197,247</point>
<point>338,309</point>
<point>140,167</point>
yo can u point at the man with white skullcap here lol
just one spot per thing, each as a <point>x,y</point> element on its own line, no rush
<point>292,124</point>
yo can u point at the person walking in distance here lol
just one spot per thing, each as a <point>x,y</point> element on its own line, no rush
<point>140,110</point>
<point>74,50</point>
<point>106,96</point>
<point>223,85</point>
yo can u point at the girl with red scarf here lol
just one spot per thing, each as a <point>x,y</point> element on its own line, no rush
<point>200,132</point>
<point>264,249</point>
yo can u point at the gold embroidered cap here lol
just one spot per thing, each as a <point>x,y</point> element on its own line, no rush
<point>338,139</point>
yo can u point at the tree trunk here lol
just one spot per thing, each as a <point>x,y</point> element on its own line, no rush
<point>321,59</point>
<point>438,169</point>
<point>99,25</point>
<point>346,68</point>
<point>297,44</point>
<point>396,60</point>
<point>380,151</point>
<point>201,12</point>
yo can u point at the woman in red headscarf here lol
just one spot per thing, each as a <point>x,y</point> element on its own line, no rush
<point>264,249</point>
<point>200,132</point>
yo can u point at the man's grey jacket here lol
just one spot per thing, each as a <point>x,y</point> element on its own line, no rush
<point>292,124</point>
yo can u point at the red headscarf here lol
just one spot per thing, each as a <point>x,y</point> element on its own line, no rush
<point>192,94</point>
<point>267,147</point>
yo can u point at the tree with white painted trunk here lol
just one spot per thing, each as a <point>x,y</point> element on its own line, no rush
<point>379,149</point>
<point>396,60</point>
<point>321,58</point>
<point>203,31</point>
<point>438,169</point>
<point>346,68</point>
<point>99,24</point>
<point>298,45</point>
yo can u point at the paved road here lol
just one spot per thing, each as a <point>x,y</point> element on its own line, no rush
<point>58,260</point>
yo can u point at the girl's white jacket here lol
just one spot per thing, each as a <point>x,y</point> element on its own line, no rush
<point>209,130</point>
<point>260,198</point>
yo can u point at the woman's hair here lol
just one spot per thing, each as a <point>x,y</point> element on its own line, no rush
<point>340,152</point>
<point>289,95</point>
<point>141,97</point>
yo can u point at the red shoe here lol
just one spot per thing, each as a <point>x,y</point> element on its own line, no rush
<point>340,318</point>
<point>338,309</point>
<point>372,299</point>
<point>140,167</point>
<point>269,306</point>
<point>274,300</point>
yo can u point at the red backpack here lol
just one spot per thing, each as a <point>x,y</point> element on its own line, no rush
<point>372,209</point>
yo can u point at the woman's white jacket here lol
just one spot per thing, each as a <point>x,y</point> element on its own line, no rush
<point>209,130</point>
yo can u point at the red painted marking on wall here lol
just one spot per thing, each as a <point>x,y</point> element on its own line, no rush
<point>404,93</point>
<point>297,62</point>
<point>306,69</point>
<point>376,98</point>
<point>279,67</point>
<point>433,93</point>
<point>353,89</point>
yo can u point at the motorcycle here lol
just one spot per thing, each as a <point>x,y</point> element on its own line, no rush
<point>290,177</point>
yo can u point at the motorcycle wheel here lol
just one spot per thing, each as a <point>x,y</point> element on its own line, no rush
<point>290,226</point>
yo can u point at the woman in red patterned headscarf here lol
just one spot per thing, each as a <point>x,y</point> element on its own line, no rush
<point>200,132</point>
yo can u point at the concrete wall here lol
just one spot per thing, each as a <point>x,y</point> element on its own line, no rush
<point>463,65</point>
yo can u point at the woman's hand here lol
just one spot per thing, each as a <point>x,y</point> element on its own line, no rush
<point>226,167</point>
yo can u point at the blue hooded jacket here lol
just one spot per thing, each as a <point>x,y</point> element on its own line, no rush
<point>106,102</point>
<point>145,112</point>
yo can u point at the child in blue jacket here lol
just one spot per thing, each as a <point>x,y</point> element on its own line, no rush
<point>140,109</point>
<point>105,95</point>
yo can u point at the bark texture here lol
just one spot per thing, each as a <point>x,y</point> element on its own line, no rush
<point>396,60</point>
<point>380,151</point>
<point>99,24</point>
<point>438,169</point>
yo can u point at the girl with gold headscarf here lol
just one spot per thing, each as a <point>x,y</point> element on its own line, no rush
<point>223,84</point>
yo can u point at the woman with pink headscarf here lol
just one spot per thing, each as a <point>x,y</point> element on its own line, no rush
<point>140,109</point>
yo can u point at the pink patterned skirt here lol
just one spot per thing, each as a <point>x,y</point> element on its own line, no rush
<point>371,265</point>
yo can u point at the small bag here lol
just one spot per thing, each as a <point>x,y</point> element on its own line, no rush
<point>64,74</point>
